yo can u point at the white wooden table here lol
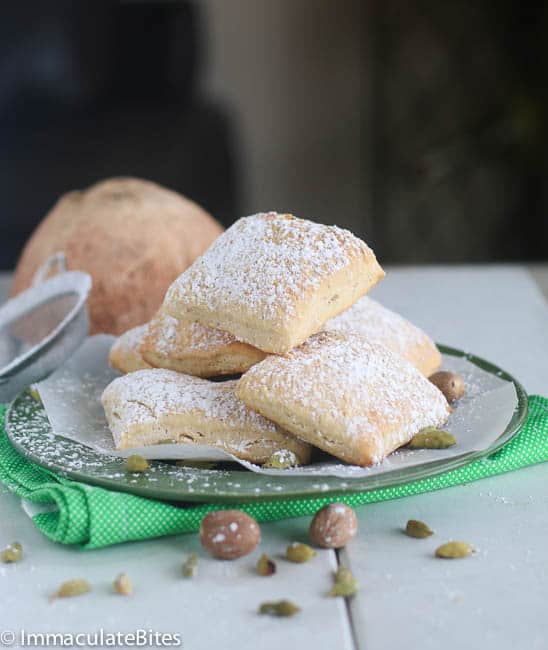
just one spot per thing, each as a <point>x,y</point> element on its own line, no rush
<point>494,601</point>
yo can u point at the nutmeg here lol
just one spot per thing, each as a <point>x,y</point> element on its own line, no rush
<point>229,534</point>
<point>451,384</point>
<point>333,526</point>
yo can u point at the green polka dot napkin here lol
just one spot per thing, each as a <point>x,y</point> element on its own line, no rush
<point>92,517</point>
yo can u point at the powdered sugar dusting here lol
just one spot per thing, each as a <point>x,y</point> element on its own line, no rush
<point>125,354</point>
<point>130,340</point>
<point>167,335</point>
<point>145,397</point>
<point>78,438</point>
<point>151,394</point>
<point>364,388</point>
<point>378,324</point>
<point>268,261</point>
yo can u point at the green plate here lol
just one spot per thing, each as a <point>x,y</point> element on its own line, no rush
<point>29,430</point>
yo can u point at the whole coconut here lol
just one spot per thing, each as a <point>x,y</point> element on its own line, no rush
<point>132,236</point>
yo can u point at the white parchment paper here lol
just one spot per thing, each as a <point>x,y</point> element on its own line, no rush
<point>71,397</point>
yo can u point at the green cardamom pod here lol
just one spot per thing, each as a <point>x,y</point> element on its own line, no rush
<point>418,529</point>
<point>12,553</point>
<point>279,608</point>
<point>190,566</point>
<point>432,438</point>
<point>454,550</point>
<point>122,585</point>
<point>70,588</point>
<point>282,459</point>
<point>299,552</point>
<point>344,583</point>
<point>265,566</point>
<point>136,463</point>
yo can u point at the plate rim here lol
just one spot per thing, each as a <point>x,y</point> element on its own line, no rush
<point>351,485</point>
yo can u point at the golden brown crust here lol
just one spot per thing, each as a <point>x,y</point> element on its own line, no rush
<point>153,406</point>
<point>125,355</point>
<point>271,280</point>
<point>356,400</point>
<point>134,237</point>
<point>195,349</point>
<point>378,324</point>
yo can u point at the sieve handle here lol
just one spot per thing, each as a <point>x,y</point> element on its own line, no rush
<point>54,265</point>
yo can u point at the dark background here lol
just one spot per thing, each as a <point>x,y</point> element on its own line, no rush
<point>419,125</point>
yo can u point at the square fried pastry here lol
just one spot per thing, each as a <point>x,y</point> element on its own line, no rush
<point>154,406</point>
<point>378,324</point>
<point>125,354</point>
<point>195,349</point>
<point>272,279</point>
<point>358,401</point>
